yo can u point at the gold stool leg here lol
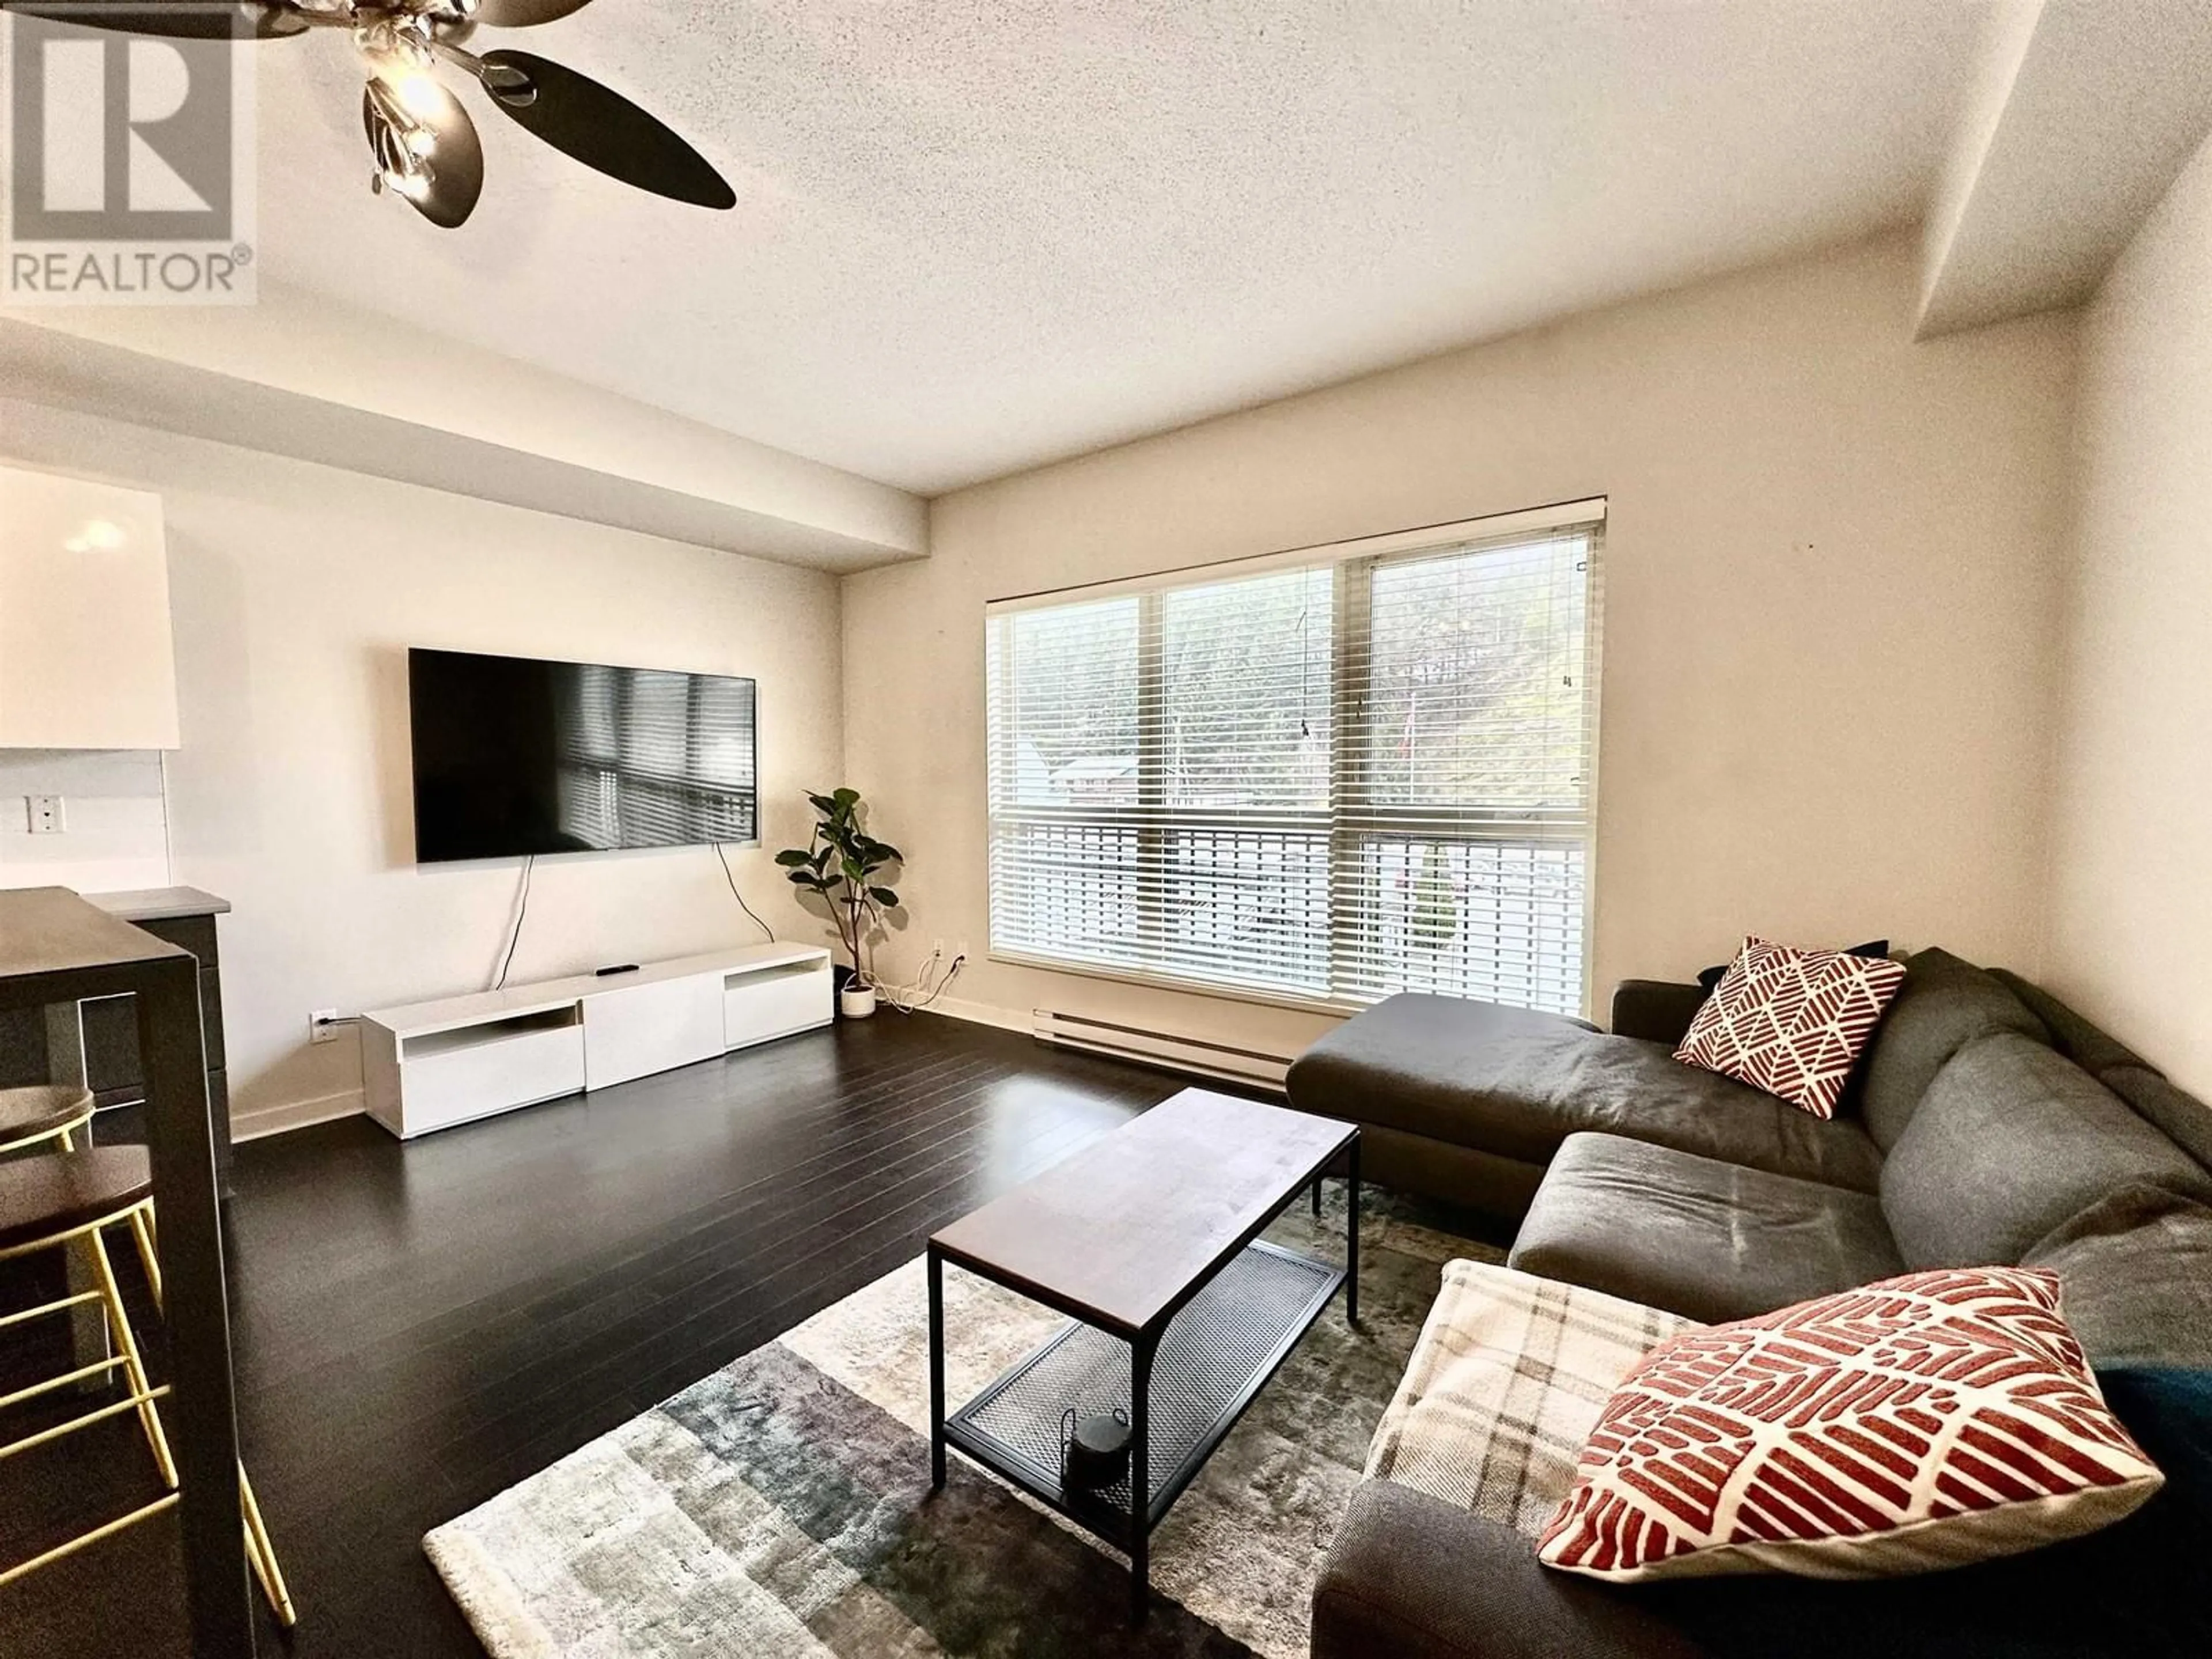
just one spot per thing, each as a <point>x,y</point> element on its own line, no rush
<point>142,1228</point>
<point>259,1551</point>
<point>133,1368</point>
<point>264,1555</point>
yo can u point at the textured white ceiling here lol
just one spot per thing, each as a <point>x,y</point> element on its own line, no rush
<point>973,235</point>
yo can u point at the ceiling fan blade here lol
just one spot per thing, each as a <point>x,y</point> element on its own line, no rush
<point>259,20</point>
<point>602,129</point>
<point>524,14</point>
<point>452,171</point>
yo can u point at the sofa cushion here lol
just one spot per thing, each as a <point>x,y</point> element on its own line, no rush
<point>2095,1051</point>
<point>1427,1064</point>
<point>1507,1378</point>
<point>2173,1111</point>
<point>1518,1083</point>
<point>1697,1236</point>
<point>2012,1139</point>
<point>2136,1271</point>
<point>1654,1010</point>
<point>1927,1421</point>
<point>1792,1022</point>
<point>1409,1577</point>
<point>1944,1005</point>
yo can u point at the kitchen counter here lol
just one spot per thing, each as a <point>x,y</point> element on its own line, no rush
<point>160,903</point>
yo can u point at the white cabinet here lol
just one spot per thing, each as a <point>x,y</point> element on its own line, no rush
<point>432,1065</point>
<point>86,660</point>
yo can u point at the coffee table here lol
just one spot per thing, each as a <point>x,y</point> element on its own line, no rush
<point>1179,1313</point>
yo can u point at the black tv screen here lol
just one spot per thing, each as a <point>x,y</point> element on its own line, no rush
<point>516,756</point>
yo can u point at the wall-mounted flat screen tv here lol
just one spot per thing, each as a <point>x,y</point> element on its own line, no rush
<point>515,756</point>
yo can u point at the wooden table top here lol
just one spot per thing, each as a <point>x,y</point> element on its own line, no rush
<point>1118,1232</point>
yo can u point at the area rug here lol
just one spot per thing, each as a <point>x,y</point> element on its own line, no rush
<point>783,1506</point>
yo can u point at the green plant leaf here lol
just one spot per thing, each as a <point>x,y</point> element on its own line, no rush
<point>847,797</point>
<point>800,878</point>
<point>822,803</point>
<point>852,870</point>
<point>885,897</point>
<point>792,858</point>
<point>887,853</point>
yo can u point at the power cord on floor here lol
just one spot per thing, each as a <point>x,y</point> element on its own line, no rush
<point>728,876</point>
<point>521,912</point>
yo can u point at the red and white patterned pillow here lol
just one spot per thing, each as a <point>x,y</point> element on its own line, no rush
<point>1927,1421</point>
<point>1792,1022</point>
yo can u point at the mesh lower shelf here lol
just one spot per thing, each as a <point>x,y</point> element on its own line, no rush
<point>1226,1342</point>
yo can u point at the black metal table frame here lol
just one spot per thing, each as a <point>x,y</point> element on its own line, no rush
<point>1133,1536</point>
<point>196,1322</point>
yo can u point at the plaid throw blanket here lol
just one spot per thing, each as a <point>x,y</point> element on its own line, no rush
<point>1504,1386</point>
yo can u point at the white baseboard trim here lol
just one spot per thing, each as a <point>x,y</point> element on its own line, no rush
<point>297,1115</point>
<point>982,1013</point>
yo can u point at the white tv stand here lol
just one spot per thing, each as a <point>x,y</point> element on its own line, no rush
<point>431,1065</point>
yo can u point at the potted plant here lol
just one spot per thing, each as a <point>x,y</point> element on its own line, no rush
<point>840,864</point>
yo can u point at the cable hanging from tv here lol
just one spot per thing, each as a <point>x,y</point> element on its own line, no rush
<point>521,911</point>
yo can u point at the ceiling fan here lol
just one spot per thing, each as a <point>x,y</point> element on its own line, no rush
<point>425,146</point>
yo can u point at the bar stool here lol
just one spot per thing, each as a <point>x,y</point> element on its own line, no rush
<point>50,1203</point>
<point>47,1112</point>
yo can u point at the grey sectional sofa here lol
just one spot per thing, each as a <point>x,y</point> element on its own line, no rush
<point>1990,1124</point>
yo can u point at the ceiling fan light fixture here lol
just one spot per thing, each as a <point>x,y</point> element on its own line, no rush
<point>418,91</point>
<point>409,114</point>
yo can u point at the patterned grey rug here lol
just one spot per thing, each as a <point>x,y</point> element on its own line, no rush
<point>782,1505</point>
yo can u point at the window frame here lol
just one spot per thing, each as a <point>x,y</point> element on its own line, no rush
<point>1343,826</point>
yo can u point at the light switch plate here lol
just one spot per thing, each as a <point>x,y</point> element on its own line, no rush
<point>48,815</point>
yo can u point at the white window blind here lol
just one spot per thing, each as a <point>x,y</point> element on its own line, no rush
<point>1322,777</point>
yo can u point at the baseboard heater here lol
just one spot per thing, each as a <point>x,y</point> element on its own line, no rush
<point>1170,1050</point>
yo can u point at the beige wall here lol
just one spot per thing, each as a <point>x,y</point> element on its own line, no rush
<point>296,590</point>
<point>2131,847</point>
<point>1833,574</point>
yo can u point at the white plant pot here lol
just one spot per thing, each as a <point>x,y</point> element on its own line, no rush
<point>857,1002</point>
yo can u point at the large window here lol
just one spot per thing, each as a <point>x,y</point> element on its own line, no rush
<point>1323,777</point>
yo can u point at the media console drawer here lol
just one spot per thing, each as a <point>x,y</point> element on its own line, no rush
<point>444,1078</point>
<point>775,1002</point>
<point>643,1028</point>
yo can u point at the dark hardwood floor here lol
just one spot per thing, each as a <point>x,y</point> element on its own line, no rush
<point>420,1327</point>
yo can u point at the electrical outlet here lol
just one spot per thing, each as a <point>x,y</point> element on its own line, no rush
<point>49,814</point>
<point>936,949</point>
<point>322,1025</point>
